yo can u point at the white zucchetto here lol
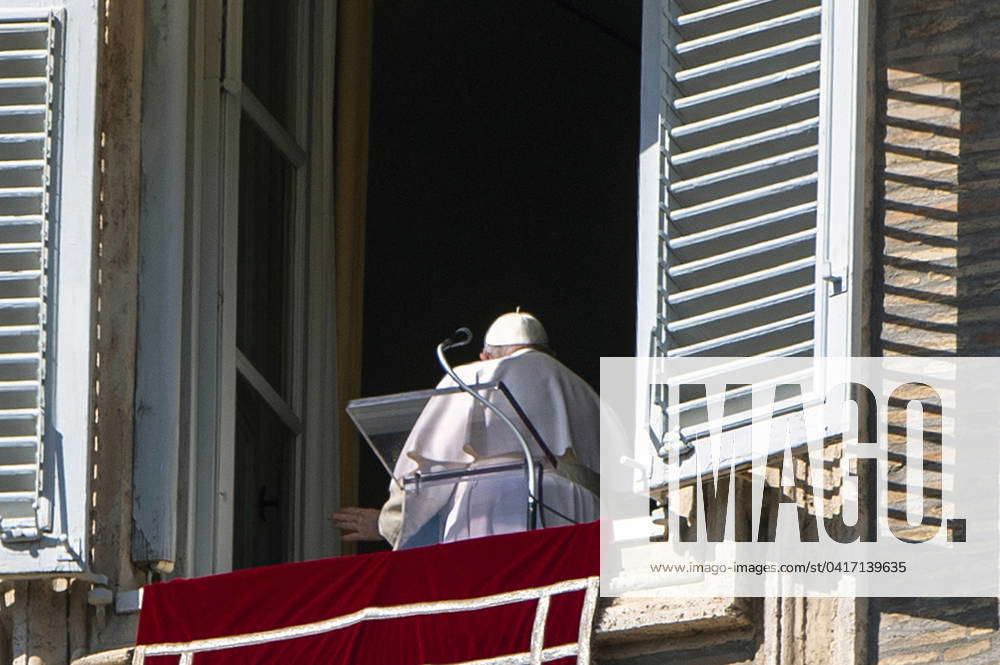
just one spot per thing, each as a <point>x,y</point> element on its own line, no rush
<point>516,328</point>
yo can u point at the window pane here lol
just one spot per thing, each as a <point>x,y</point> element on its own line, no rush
<point>263,284</point>
<point>264,478</point>
<point>269,46</point>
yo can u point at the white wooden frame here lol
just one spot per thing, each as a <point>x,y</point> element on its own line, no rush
<point>67,436</point>
<point>842,188</point>
<point>162,298</point>
<point>650,169</point>
<point>204,246</point>
<point>310,408</point>
<point>319,470</point>
<point>237,101</point>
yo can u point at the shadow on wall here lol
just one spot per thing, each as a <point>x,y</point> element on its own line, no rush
<point>938,81</point>
<point>939,110</point>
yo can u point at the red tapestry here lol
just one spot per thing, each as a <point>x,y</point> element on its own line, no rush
<point>518,598</point>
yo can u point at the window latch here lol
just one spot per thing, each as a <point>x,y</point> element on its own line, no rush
<point>834,280</point>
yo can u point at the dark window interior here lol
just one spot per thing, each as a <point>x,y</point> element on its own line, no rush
<point>502,173</point>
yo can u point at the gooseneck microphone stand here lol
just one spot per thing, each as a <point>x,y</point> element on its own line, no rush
<point>462,337</point>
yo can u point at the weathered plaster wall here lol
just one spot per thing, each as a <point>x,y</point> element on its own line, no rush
<point>938,255</point>
<point>120,86</point>
<point>119,91</point>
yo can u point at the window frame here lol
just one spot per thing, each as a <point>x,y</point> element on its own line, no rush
<point>218,107</point>
<point>239,106</point>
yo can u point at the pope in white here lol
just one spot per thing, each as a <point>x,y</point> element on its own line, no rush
<point>455,431</point>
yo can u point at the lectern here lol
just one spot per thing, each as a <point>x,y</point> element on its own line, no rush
<point>476,447</point>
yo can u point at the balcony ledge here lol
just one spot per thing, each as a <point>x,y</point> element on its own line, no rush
<point>114,657</point>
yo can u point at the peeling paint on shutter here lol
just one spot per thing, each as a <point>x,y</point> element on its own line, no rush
<point>27,60</point>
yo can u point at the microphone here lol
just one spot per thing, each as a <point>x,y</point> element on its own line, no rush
<point>460,337</point>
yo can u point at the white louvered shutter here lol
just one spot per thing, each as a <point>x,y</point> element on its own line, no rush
<point>48,155</point>
<point>27,57</point>
<point>740,172</point>
<point>742,242</point>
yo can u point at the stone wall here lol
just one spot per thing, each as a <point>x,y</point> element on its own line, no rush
<point>937,249</point>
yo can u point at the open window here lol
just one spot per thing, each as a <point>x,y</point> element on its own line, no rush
<point>502,173</point>
<point>235,395</point>
<point>268,368</point>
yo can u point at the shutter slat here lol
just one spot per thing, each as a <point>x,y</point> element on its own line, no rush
<point>744,169</point>
<point>23,109</point>
<point>19,358</point>
<point>24,27</point>
<point>21,192</point>
<point>681,297</point>
<point>22,137</point>
<point>744,31</point>
<point>743,391</point>
<point>719,232</point>
<point>742,336</point>
<point>748,85</point>
<point>744,142</point>
<point>17,497</point>
<point>746,362</point>
<point>27,54</point>
<point>14,164</point>
<point>741,253</point>
<point>21,247</point>
<point>27,51</point>
<point>750,58</point>
<point>18,414</point>
<point>24,82</point>
<point>745,419</point>
<point>16,276</point>
<point>743,197</point>
<point>18,469</point>
<point>19,220</point>
<point>18,442</point>
<point>12,386</point>
<point>19,303</point>
<point>718,11</point>
<point>744,114</point>
<point>743,308</point>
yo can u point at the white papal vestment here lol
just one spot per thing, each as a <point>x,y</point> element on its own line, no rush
<point>456,431</point>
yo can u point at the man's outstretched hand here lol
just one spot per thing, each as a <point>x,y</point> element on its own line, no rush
<point>357,524</point>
